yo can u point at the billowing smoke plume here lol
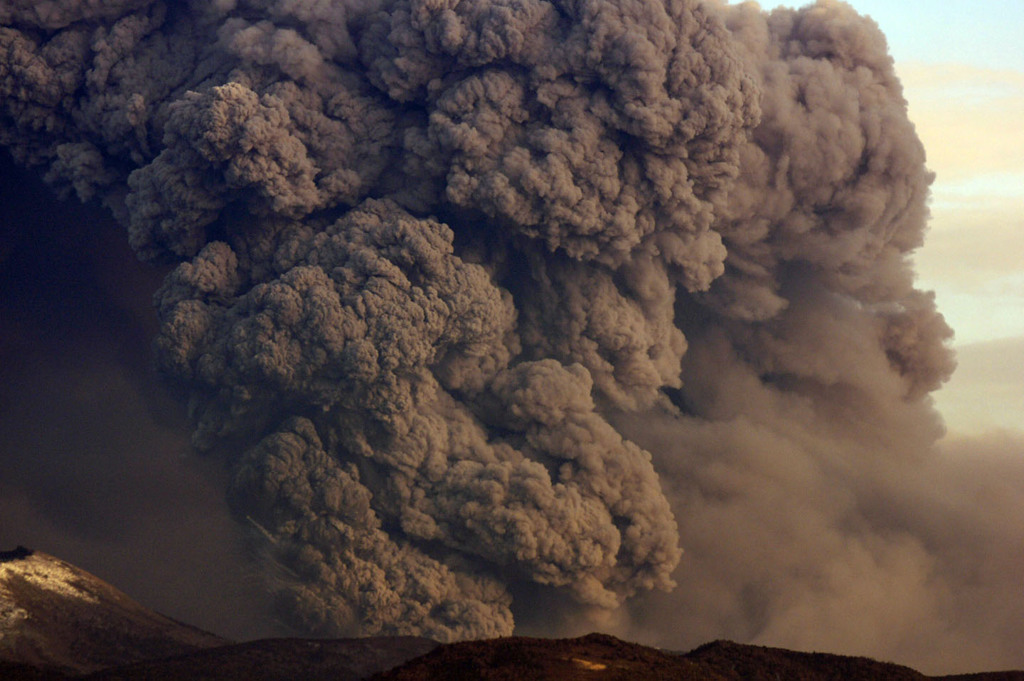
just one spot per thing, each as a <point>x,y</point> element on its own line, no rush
<point>445,268</point>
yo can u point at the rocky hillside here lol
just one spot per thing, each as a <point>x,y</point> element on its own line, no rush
<point>598,657</point>
<point>280,660</point>
<point>58,622</point>
<point>55,616</point>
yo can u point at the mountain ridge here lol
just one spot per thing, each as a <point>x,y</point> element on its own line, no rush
<point>604,657</point>
<point>54,615</point>
<point>59,622</point>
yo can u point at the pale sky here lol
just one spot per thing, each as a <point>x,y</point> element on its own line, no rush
<point>962,67</point>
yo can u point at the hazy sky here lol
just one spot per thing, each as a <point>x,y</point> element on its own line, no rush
<point>963,71</point>
<point>963,74</point>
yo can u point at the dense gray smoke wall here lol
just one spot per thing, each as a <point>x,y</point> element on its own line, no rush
<point>446,269</point>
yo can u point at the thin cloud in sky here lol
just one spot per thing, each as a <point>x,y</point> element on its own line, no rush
<point>983,33</point>
<point>963,76</point>
<point>969,119</point>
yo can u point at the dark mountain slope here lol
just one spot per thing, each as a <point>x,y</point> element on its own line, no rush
<point>54,615</point>
<point>16,671</point>
<point>279,660</point>
<point>758,663</point>
<point>595,656</point>
<point>599,657</point>
<point>984,676</point>
<point>58,622</point>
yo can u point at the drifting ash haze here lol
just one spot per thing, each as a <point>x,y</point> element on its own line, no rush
<point>494,308</point>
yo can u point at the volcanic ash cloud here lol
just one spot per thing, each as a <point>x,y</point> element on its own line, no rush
<point>428,253</point>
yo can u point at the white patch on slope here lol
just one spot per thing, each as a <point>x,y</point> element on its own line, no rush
<point>49,574</point>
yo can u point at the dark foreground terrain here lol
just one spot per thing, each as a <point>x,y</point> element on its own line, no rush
<point>595,657</point>
<point>58,622</point>
<point>600,657</point>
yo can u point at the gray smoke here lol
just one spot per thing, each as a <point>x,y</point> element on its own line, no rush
<point>492,297</point>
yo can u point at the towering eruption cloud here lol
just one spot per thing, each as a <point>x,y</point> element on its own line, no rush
<point>498,297</point>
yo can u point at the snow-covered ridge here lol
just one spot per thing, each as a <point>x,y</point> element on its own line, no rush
<point>47,573</point>
<point>56,615</point>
